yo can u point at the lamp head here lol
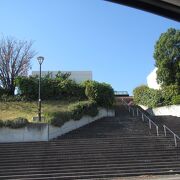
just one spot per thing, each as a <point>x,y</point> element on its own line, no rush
<point>40,59</point>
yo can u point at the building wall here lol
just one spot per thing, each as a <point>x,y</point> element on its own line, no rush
<point>151,80</point>
<point>173,110</point>
<point>78,76</point>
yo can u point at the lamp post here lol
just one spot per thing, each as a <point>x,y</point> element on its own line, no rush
<point>40,60</point>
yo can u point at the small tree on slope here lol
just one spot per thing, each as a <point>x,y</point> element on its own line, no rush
<point>15,59</point>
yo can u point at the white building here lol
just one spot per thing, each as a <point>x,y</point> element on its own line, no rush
<point>151,80</point>
<point>78,76</point>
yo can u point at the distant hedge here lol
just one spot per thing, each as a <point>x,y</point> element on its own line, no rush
<point>57,88</point>
<point>146,96</point>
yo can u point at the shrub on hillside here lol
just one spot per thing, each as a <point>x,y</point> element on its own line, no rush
<point>1,123</point>
<point>157,98</point>
<point>169,92</point>
<point>2,91</point>
<point>16,123</point>
<point>139,94</point>
<point>57,88</point>
<point>80,109</point>
<point>90,108</point>
<point>50,89</point>
<point>70,88</point>
<point>146,96</point>
<point>176,100</point>
<point>10,98</point>
<point>58,118</point>
<point>28,87</point>
<point>101,93</point>
<point>75,112</point>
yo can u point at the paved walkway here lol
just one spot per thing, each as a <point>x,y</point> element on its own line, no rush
<point>163,177</point>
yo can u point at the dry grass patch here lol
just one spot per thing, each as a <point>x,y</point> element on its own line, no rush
<point>28,110</point>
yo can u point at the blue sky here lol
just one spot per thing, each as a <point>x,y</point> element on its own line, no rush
<point>115,42</point>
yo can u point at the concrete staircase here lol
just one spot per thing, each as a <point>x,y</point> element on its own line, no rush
<point>108,148</point>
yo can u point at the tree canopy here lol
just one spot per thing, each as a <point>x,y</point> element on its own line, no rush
<point>15,56</point>
<point>167,58</point>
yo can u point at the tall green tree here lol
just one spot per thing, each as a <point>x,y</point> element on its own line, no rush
<point>167,58</point>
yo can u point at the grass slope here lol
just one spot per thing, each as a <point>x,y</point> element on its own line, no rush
<point>28,110</point>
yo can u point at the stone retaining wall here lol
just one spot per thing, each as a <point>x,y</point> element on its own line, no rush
<point>45,132</point>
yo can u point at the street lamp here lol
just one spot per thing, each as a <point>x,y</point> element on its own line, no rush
<point>40,60</point>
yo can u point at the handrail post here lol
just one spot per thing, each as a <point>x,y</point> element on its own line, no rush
<point>133,111</point>
<point>149,124</point>
<point>137,112</point>
<point>175,135</point>
<point>48,131</point>
<point>142,117</point>
<point>129,109</point>
<point>165,134</point>
<point>157,130</point>
<point>175,140</point>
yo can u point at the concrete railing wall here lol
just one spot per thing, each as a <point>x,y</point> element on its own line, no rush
<point>173,110</point>
<point>45,132</point>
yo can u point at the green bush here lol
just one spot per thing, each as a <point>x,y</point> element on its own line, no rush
<point>70,88</point>
<point>57,88</point>
<point>101,93</point>
<point>75,112</point>
<point>2,92</point>
<point>9,98</point>
<point>139,94</point>
<point>80,109</point>
<point>50,89</point>
<point>58,118</point>
<point>91,109</point>
<point>157,98</point>
<point>5,98</point>
<point>169,92</point>
<point>60,88</point>
<point>176,100</point>
<point>16,123</point>
<point>1,123</point>
<point>148,97</point>
<point>28,87</point>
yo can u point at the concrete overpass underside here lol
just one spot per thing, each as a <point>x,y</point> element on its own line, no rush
<point>166,8</point>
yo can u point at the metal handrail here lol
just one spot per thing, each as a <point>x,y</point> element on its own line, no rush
<point>143,117</point>
<point>175,135</point>
<point>152,122</point>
